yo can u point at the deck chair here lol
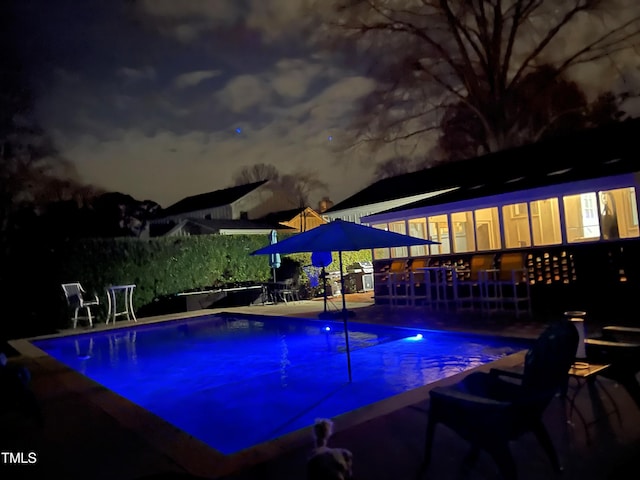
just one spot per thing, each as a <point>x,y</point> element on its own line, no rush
<point>491,409</point>
<point>76,299</point>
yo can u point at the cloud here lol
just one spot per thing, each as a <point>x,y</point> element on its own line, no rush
<point>137,74</point>
<point>166,165</point>
<point>277,19</point>
<point>292,77</point>
<point>191,79</point>
<point>243,92</point>
<point>188,20</point>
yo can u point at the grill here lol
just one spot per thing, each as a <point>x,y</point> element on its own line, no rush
<point>360,267</point>
<point>360,276</point>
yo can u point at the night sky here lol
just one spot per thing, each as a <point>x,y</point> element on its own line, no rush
<point>163,99</point>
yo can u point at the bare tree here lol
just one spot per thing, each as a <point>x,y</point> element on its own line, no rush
<point>29,160</point>
<point>479,63</point>
<point>302,184</point>
<point>256,173</point>
<point>299,184</point>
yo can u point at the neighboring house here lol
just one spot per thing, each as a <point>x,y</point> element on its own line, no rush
<point>391,193</point>
<point>197,226</point>
<point>300,219</point>
<point>249,202</point>
<point>197,214</point>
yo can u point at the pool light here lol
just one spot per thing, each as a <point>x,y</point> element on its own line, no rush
<point>415,338</point>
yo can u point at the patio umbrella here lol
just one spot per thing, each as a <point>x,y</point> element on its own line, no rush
<point>341,236</point>
<point>274,258</point>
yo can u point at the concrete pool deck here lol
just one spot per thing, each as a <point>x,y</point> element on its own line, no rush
<point>90,433</point>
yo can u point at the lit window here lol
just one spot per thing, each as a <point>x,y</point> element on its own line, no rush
<point>487,229</point>
<point>516,226</point>
<point>545,222</point>
<point>418,228</point>
<point>399,227</point>
<point>464,239</point>
<point>618,213</point>
<point>581,217</point>
<point>439,232</point>
<point>379,253</point>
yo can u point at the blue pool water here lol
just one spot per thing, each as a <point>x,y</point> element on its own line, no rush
<point>237,381</point>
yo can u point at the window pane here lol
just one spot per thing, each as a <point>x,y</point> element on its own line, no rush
<point>464,239</point>
<point>439,232</point>
<point>379,253</point>
<point>545,222</point>
<point>516,225</point>
<point>581,218</point>
<point>418,228</point>
<point>487,229</point>
<point>619,213</point>
<point>399,227</point>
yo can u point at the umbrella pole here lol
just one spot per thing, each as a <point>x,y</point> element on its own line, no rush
<point>344,317</point>
<point>274,274</point>
<point>324,288</point>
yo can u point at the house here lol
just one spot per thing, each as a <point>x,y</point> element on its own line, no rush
<point>567,207</point>
<point>299,219</point>
<point>554,192</point>
<point>230,210</point>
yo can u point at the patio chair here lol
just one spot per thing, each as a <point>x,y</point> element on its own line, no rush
<point>75,296</point>
<point>618,347</point>
<point>287,291</point>
<point>491,409</point>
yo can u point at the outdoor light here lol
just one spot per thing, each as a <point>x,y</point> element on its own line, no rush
<point>327,329</point>
<point>415,338</point>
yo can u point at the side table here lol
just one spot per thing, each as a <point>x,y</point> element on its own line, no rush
<point>586,373</point>
<point>126,293</point>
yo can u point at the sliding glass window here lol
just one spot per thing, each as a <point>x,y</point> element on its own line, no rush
<point>487,229</point>
<point>463,234</point>
<point>399,227</point>
<point>581,217</point>
<point>618,213</point>
<point>381,253</point>
<point>418,228</point>
<point>439,232</point>
<point>545,222</point>
<point>516,226</point>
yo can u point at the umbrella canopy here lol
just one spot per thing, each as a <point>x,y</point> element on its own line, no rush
<point>340,236</point>
<point>274,258</point>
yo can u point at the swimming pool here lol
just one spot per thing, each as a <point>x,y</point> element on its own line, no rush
<point>236,381</point>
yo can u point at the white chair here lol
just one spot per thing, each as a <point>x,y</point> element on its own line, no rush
<point>74,293</point>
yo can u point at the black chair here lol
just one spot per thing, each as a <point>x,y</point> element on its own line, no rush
<point>619,347</point>
<point>490,410</point>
